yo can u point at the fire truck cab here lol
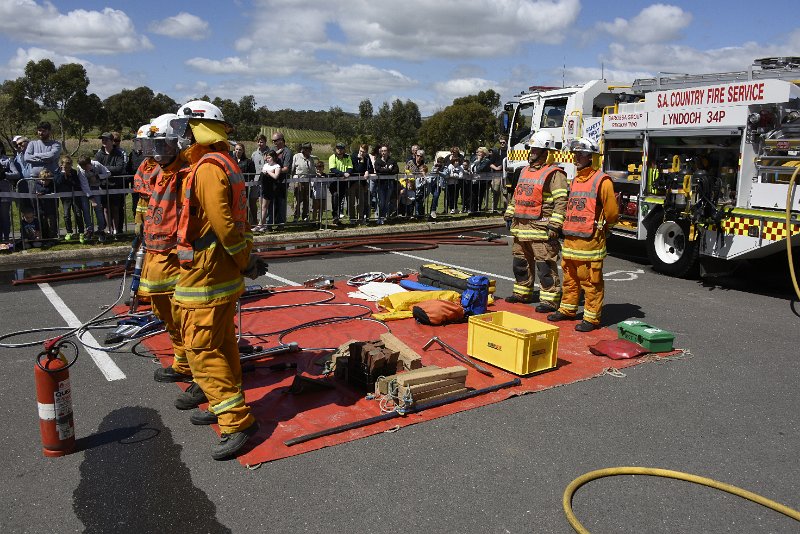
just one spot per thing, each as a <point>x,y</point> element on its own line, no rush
<point>702,164</point>
<point>567,113</point>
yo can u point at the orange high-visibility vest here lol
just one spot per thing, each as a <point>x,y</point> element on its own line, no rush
<point>528,196</point>
<point>161,220</point>
<point>582,206</point>
<point>145,177</point>
<point>238,205</point>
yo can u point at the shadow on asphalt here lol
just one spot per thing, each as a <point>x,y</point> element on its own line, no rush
<point>133,479</point>
<point>614,313</point>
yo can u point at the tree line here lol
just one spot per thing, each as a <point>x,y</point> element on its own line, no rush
<point>61,94</point>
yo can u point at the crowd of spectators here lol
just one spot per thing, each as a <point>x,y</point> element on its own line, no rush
<point>355,187</point>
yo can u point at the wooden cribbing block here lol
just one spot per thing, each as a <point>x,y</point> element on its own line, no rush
<point>382,384</point>
<point>427,374</point>
<point>408,358</point>
<point>419,389</point>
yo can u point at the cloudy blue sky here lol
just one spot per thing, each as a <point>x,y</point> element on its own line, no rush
<point>304,54</point>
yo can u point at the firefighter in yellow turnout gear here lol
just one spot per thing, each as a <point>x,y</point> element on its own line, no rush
<point>158,200</point>
<point>536,212</point>
<point>591,211</point>
<point>214,244</point>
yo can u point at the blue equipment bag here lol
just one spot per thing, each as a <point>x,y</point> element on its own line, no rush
<point>475,298</point>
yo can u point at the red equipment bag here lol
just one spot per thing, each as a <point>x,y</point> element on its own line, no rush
<point>617,349</point>
<point>438,312</point>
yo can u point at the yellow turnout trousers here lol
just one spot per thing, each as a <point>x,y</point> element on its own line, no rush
<point>209,336</point>
<point>586,276</point>
<point>169,312</point>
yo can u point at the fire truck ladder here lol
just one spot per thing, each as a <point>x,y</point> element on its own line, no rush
<point>773,68</point>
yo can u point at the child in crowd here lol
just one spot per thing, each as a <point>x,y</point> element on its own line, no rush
<point>31,229</point>
<point>47,207</point>
<point>270,173</point>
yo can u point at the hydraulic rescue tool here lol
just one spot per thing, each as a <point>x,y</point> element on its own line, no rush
<point>274,351</point>
<point>458,355</point>
<point>134,327</point>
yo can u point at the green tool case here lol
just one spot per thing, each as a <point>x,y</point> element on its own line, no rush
<point>652,338</point>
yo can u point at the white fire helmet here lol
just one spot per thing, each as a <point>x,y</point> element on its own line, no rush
<point>161,143</point>
<point>582,144</point>
<point>196,110</point>
<point>541,140</point>
<point>140,134</point>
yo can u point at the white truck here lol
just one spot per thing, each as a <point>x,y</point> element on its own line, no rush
<point>567,113</point>
<point>702,165</point>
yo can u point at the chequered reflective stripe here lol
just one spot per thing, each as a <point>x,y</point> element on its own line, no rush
<point>562,156</point>
<point>522,291</point>
<point>776,230</point>
<point>518,155</point>
<point>227,405</point>
<point>771,230</point>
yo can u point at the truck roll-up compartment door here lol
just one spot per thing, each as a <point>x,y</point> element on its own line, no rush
<point>695,132</point>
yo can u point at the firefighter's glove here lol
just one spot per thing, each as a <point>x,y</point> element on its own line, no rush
<point>552,234</point>
<point>137,229</point>
<point>255,267</point>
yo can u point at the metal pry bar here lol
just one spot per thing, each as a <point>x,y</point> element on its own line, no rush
<point>458,355</point>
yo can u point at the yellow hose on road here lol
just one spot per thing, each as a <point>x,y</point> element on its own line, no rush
<point>666,473</point>
<point>789,230</point>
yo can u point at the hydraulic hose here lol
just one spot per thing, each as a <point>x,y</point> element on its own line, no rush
<point>789,230</point>
<point>666,473</point>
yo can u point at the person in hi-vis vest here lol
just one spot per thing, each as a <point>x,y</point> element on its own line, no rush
<point>591,212</point>
<point>536,213</point>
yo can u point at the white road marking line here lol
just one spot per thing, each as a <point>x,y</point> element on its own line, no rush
<point>101,358</point>
<point>498,276</point>
<point>281,279</point>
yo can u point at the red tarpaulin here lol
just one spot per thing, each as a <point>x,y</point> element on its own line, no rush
<point>282,415</point>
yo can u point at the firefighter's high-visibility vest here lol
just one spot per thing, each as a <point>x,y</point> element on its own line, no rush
<point>582,206</point>
<point>529,193</point>
<point>161,221</point>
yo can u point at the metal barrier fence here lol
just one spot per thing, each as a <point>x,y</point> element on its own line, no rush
<point>308,200</point>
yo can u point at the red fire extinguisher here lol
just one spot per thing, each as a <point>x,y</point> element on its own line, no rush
<point>54,396</point>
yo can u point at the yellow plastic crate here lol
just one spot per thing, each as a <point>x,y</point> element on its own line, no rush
<point>513,342</point>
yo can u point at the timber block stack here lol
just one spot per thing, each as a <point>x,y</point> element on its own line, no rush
<point>423,385</point>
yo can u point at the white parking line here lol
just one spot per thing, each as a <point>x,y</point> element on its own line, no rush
<point>281,279</point>
<point>101,358</point>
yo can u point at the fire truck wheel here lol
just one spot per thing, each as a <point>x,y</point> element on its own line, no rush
<point>670,251</point>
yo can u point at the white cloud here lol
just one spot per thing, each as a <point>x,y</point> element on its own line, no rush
<point>451,89</point>
<point>181,26</point>
<point>413,28</point>
<point>103,80</point>
<point>673,58</point>
<point>657,23</point>
<point>274,96</point>
<point>108,31</point>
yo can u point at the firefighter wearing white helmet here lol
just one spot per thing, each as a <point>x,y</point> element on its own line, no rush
<point>536,213</point>
<point>159,145</point>
<point>591,212</point>
<point>214,244</point>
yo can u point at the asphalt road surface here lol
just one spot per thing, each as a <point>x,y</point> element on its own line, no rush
<point>729,410</point>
